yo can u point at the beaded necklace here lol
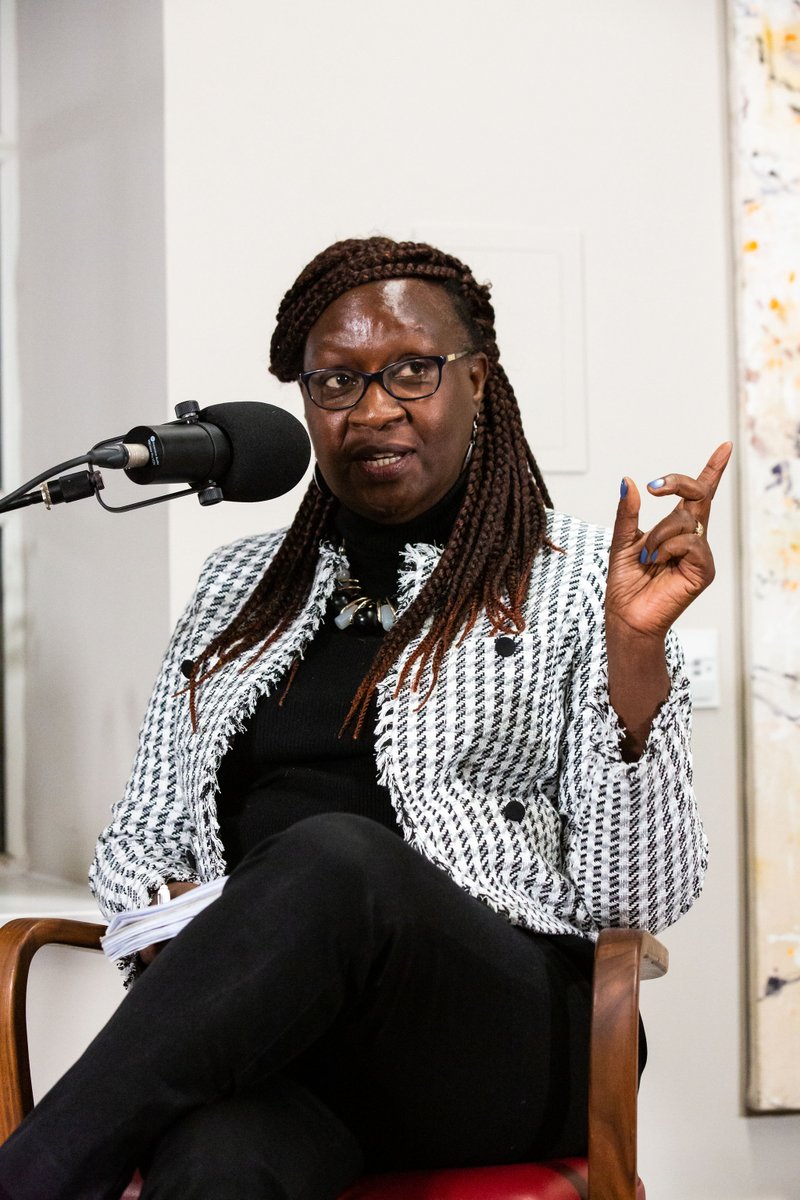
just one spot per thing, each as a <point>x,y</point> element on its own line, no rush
<point>353,608</point>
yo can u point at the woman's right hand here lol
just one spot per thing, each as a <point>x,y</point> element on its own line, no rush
<point>148,953</point>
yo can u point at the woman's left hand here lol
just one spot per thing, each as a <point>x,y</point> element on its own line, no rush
<point>653,577</point>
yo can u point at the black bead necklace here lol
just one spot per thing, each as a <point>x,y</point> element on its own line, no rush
<point>354,610</point>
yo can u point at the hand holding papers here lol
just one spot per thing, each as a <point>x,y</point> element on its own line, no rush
<point>131,931</point>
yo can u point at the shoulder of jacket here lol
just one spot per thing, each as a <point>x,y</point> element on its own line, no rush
<point>572,564</point>
<point>255,550</point>
<point>253,546</point>
<point>235,565</point>
<point>576,538</point>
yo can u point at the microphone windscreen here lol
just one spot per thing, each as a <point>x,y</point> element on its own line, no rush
<point>270,449</point>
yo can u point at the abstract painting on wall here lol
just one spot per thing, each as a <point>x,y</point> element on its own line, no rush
<point>765,91</point>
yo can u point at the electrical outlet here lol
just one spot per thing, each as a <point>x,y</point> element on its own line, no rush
<point>701,647</point>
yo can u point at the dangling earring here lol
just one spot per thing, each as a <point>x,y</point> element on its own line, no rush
<point>319,480</point>
<point>471,446</point>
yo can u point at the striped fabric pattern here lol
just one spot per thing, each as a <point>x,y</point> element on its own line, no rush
<point>509,778</point>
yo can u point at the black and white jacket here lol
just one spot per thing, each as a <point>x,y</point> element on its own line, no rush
<point>509,778</point>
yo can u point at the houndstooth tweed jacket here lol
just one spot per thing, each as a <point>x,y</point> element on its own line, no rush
<point>509,777</point>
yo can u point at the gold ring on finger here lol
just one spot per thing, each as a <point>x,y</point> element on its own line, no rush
<point>699,528</point>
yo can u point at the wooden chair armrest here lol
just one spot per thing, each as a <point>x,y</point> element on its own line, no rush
<point>622,958</point>
<point>19,941</point>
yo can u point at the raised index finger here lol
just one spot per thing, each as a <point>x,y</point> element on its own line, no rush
<point>712,471</point>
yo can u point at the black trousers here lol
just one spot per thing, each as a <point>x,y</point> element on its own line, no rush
<point>342,1006</point>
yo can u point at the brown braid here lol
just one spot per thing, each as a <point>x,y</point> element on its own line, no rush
<point>500,527</point>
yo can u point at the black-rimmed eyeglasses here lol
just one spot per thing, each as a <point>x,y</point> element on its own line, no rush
<point>410,379</point>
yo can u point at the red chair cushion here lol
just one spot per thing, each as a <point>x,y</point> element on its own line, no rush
<point>564,1179</point>
<point>561,1179</point>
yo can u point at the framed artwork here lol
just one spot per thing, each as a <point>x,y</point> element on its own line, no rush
<point>765,97</point>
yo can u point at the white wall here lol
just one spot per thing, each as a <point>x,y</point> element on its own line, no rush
<point>92,364</point>
<point>287,126</point>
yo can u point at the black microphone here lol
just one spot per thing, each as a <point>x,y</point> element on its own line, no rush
<point>249,450</point>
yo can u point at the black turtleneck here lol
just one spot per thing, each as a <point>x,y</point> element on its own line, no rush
<point>289,762</point>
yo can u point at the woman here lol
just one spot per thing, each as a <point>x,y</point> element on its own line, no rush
<point>428,652</point>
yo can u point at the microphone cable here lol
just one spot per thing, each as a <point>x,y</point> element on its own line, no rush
<point>44,489</point>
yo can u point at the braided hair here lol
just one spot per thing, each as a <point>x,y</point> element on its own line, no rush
<point>501,524</point>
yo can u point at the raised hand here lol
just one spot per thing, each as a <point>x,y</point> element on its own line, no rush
<point>653,577</point>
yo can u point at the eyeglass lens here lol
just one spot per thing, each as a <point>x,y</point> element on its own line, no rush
<point>412,379</point>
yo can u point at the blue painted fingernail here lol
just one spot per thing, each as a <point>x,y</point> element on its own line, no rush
<point>656,483</point>
<point>623,489</point>
<point>654,556</point>
<point>643,556</point>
